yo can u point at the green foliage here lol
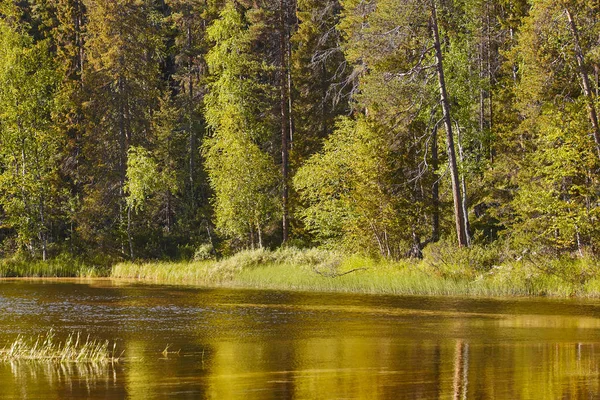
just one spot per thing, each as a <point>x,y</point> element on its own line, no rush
<point>120,91</point>
<point>29,144</point>
<point>554,208</point>
<point>318,270</point>
<point>204,252</point>
<point>142,177</point>
<point>350,192</point>
<point>62,266</point>
<point>147,129</point>
<point>448,262</point>
<point>320,91</point>
<point>242,175</point>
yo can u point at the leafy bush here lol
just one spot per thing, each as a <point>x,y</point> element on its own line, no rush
<point>204,252</point>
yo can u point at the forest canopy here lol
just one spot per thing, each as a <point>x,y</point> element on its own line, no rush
<point>150,128</point>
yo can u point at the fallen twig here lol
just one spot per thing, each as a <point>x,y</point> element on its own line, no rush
<point>336,274</point>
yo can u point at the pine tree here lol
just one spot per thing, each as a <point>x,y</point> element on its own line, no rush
<point>320,76</point>
<point>188,21</point>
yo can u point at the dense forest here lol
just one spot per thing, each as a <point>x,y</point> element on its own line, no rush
<point>138,129</point>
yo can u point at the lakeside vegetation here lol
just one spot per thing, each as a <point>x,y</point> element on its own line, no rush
<point>444,270</point>
<point>469,272</point>
<point>454,145</point>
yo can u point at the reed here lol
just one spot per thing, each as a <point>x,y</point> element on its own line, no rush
<point>75,349</point>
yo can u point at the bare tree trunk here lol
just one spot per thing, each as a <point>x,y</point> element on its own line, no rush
<point>192,149</point>
<point>129,236</point>
<point>463,185</point>
<point>456,192</point>
<point>284,118</point>
<point>260,241</point>
<point>435,190</point>
<point>491,51</point>
<point>585,80</point>
<point>124,141</point>
<point>79,41</point>
<point>43,236</point>
<point>289,79</point>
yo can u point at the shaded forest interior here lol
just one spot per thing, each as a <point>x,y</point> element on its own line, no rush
<point>149,129</point>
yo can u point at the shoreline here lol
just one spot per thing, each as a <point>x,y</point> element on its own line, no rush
<point>320,271</point>
<point>400,292</point>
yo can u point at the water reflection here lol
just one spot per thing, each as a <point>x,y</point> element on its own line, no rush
<point>268,345</point>
<point>25,379</point>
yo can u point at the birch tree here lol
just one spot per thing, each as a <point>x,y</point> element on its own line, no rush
<point>29,143</point>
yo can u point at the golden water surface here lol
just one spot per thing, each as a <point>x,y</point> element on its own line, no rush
<point>248,344</point>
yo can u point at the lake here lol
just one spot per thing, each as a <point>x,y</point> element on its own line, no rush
<point>250,344</point>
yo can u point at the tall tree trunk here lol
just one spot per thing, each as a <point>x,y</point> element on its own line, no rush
<point>463,185</point>
<point>124,141</point>
<point>129,235</point>
<point>283,45</point>
<point>192,141</point>
<point>456,192</point>
<point>491,62</point>
<point>585,80</point>
<point>289,31</point>
<point>435,190</point>
<point>43,236</point>
<point>260,241</point>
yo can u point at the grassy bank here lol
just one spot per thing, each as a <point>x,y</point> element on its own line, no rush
<point>317,270</point>
<point>445,270</point>
<point>60,267</point>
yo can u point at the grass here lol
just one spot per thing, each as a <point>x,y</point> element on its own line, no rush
<point>318,270</point>
<point>74,349</point>
<point>445,270</point>
<point>61,267</point>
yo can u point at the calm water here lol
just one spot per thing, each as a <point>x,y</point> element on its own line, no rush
<point>238,344</point>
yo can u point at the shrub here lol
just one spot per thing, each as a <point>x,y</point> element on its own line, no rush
<point>204,252</point>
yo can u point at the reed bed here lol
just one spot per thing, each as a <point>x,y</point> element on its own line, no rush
<point>75,349</point>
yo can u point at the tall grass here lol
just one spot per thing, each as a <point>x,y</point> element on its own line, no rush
<point>61,267</point>
<point>445,270</point>
<point>75,349</point>
<point>468,274</point>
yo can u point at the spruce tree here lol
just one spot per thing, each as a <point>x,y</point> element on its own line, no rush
<point>122,88</point>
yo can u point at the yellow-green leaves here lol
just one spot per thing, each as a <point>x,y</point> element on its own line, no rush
<point>242,175</point>
<point>29,143</point>
<point>143,177</point>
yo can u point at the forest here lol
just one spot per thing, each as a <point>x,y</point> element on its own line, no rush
<point>148,129</point>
